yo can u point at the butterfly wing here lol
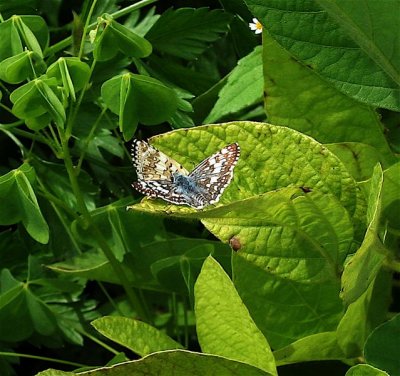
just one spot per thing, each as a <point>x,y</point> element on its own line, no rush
<point>152,164</point>
<point>160,189</point>
<point>155,171</point>
<point>215,173</point>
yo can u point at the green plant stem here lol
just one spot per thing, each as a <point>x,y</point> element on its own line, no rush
<point>393,265</point>
<point>56,140</point>
<point>96,340</point>
<point>85,29</point>
<point>109,298</point>
<point>6,108</point>
<point>19,355</point>
<point>67,41</point>
<point>74,109</point>
<point>116,266</point>
<point>55,200</point>
<point>88,139</point>
<point>131,8</point>
<point>186,321</point>
<point>5,89</point>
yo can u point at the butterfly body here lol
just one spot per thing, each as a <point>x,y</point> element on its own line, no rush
<point>162,177</point>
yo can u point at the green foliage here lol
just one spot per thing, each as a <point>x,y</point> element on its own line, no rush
<point>294,264</point>
<point>146,93</point>
<point>331,38</point>
<point>187,32</point>
<point>380,347</point>
<point>237,94</point>
<point>19,203</point>
<point>111,37</point>
<point>224,325</point>
<point>137,336</point>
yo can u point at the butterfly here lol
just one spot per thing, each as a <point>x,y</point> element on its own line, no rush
<point>160,176</point>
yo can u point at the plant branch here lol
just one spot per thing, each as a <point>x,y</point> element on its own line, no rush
<point>116,266</point>
<point>19,355</point>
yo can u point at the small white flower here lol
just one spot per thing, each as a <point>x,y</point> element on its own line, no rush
<point>255,26</point>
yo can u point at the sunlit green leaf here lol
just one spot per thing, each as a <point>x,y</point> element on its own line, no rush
<point>359,159</point>
<point>172,363</point>
<point>321,346</point>
<point>224,325</point>
<point>363,315</point>
<point>137,336</point>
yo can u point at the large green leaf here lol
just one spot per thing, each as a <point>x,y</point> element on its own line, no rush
<point>164,265</point>
<point>186,32</point>
<point>353,44</point>
<point>223,323</point>
<point>291,245</point>
<point>172,363</point>
<point>297,97</point>
<point>271,157</point>
<point>244,87</point>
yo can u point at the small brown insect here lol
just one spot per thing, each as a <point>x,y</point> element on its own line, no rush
<point>234,242</point>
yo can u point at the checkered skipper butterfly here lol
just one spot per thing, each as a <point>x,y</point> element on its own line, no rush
<point>162,177</point>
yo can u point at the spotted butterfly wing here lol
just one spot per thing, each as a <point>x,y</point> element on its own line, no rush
<point>152,164</point>
<point>155,170</point>
<point>215,173</point>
